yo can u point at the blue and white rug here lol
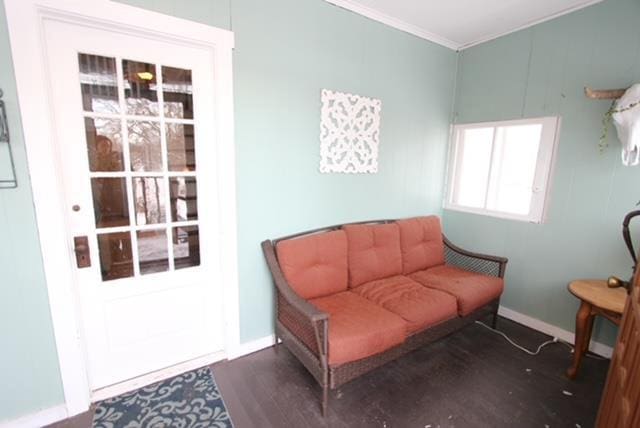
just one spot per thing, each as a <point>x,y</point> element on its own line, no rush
<point>190,400</point>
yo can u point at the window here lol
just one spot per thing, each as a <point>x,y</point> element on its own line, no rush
<point>502,169</point>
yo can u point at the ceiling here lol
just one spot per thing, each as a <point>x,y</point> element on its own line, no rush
<point>458,24</point>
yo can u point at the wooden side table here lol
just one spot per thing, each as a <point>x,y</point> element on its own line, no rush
<point>596,298</point>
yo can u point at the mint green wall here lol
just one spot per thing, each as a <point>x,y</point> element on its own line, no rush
<point>28,359</point>
<point>286,52</point>
<point>541,71</point>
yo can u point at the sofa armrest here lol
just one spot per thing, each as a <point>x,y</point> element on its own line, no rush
<point>301,318</point>
<point>475,262</point>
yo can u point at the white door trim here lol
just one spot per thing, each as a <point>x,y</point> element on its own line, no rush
<point>25,21</point>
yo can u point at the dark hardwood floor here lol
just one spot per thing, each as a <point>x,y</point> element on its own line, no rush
<point>472,378</point>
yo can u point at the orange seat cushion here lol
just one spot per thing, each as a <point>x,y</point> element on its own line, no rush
<point>421,243</point>
<point>374,252</point>
<point>473,290</point>
<point>315,265</point>
<point>419,306</point>
<point>358,328</point>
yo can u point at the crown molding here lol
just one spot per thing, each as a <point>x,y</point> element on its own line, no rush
<point>394,22</point>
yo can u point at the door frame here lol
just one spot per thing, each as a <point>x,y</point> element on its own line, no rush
<point>25,19</point>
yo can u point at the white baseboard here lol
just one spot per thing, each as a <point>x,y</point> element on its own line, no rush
<point>552,330</point>
<point>251,347</point>
<point>38,419</point>
<point>157,376</point>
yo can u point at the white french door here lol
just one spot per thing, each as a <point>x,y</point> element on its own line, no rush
<point>135,141</point>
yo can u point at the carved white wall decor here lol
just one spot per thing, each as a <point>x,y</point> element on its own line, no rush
<point>349,133</point>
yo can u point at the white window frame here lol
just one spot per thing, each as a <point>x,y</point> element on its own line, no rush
<point>543,175</point>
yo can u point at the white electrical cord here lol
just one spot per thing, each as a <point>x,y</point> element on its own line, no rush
<point>522,348</point>
<point>537,351</point>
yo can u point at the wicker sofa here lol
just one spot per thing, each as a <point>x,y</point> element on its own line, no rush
<point>353,297</point>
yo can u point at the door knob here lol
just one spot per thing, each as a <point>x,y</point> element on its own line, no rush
<point>81,248</point>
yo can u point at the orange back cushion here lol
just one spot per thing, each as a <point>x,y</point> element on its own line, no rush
<point>316,265</point>
<point>421,242</point>
<point>374,252</point>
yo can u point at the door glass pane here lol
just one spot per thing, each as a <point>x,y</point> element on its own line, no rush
<point>152,251</point>
<point>184,201</point>
<point>140,168</point>
<point>177,92</point>
<point>140,89</point>
<point>110,202</point>
<point>186,246</point>
<point>104,144</point>
<point>149,203</point>
<point>115,255</point>
<point>144,145</point>
<point>181,147</point>
<point>99,83</point>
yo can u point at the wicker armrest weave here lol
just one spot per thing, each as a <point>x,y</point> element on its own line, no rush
<point>474,262</point>
<point>301,318</point>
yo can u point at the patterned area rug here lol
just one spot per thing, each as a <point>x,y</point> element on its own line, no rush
<point>190,400</point>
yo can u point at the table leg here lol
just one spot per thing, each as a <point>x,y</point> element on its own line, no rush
<point>588,332</point>
<point>584,318</point>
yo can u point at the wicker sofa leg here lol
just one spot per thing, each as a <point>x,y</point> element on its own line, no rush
<point>325,399</point>
<point>494,322</point>
<point>325,386</point>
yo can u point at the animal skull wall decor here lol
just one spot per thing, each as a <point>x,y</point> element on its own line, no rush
<point>626,118</point>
